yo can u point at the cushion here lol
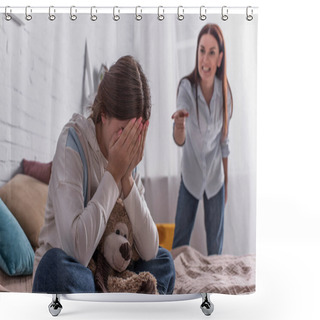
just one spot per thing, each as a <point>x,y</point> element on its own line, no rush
<point>26,198</point>
<point>16,253</point>
<point>38,170</point>
<point>166,233</point>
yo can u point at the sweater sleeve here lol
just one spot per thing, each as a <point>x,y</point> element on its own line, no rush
<point>80,229</point>
<point>145,232</point>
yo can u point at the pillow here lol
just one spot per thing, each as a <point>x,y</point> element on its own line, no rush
<point>16,253</point>
<point>38,170</point>
<point>26,198</point>
<point>166,233</point>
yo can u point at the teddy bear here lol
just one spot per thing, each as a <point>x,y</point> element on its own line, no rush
<point>114,254</point>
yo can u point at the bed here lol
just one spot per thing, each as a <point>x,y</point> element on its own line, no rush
<point>25,198</point>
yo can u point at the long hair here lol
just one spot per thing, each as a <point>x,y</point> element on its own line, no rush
<point>221,73</point>
<point>123,92</point>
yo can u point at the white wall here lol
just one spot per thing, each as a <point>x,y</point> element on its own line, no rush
<point>40,87</point>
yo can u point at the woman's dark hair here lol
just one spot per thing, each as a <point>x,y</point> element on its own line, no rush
<point>123,92</point>
<point>221,72</point>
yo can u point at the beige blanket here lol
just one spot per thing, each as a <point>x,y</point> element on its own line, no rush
<point>15,283</point>
<point>196,273</point>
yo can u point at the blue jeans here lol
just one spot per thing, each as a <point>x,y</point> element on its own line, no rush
<point>214,218</point>
<point>61,274</point>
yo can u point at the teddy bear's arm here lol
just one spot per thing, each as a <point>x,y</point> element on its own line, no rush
<point>130,284</point>
<point>134,283</point>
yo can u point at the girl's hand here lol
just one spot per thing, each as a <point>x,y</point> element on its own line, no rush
<point>123,148</point>
<point>127,180</point>
<point>139,148</point>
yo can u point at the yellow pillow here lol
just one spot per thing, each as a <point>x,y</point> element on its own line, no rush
<point>166,232</point>
<point>26,198</point>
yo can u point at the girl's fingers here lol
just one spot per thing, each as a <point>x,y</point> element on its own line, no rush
<point>132,134</point>
<point>137,152</point>
<point>115,137</point>
<point>132,141</point>
<point>126,131</point>
<point>143,138</point>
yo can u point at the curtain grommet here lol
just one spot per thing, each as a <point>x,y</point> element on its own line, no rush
<point>116,17</point>
<point>8,16</point>
<point>160,16</point>
<point>73,16</point>
<point>28,16</point>
<point>93,17</point>
<point>138,16</point>
<point>52,17</point>
<point>203,13</point>
<point>224,13</point>
<point>180,13</point>
<point>249,17</point>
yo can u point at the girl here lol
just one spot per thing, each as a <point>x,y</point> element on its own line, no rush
<point>201,123</point>
<point>94,164</point>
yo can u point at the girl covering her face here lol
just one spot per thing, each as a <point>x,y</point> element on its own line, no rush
<point>95,165</point>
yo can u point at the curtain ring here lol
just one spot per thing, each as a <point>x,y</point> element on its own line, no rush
<point>73,17</point>
<point>8,17</point>
<point>28,16</point>
<point>249,17</point>
<point>116,17</point>
<point>138,16</point>
<point>180,15</point>
<point>52,16</point>
<point>93,17</point>
<point>224,13</point>
<point>203,15</point>
<point>160,16</point>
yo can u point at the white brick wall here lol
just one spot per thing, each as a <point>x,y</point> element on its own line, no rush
<point>40,87</point>
<point>42,80</point>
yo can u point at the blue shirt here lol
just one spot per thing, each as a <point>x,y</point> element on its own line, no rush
<point>202,167</point>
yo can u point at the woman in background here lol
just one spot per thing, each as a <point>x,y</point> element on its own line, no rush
<point>93,166</point>
<point>201,125</point>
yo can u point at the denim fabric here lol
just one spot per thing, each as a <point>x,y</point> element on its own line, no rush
<point>59,273</point>
<point>214,218</point>
<point>214,221</point>
<point>162,267</point>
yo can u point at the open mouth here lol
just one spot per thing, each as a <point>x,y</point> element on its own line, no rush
<point>206,69</point>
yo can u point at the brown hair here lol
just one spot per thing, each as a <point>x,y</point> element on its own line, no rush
<point>123,92</point>
<point>221,72</point>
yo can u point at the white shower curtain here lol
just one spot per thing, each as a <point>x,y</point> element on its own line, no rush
<point>50,70</point>
<point>61,61</point>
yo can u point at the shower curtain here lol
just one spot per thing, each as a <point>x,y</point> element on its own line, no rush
<point>51,66</point>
